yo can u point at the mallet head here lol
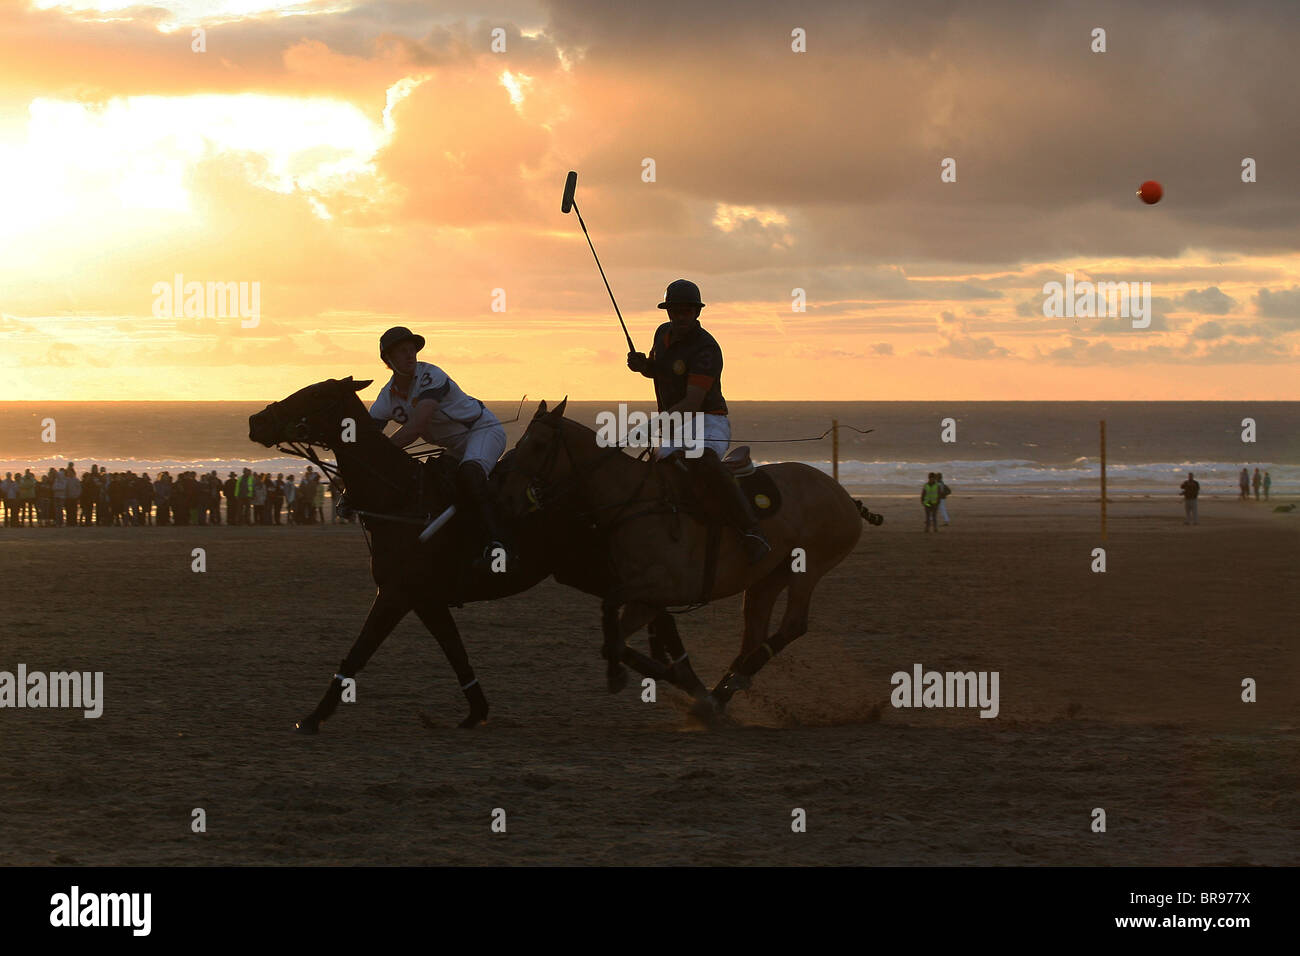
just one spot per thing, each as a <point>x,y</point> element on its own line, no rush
<point>570,184</point>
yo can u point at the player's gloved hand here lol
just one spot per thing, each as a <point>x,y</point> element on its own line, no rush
<point>637,361</point>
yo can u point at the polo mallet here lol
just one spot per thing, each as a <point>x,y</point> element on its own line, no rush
<point>436,524</point>
<point>570,185</point>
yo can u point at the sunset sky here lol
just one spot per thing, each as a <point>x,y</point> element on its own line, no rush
<point>371,164</point>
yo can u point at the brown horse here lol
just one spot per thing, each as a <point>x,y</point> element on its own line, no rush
<point>396,495</point>
<point>664,549</point>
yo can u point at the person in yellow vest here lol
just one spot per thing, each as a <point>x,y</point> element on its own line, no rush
<point>930,499</point>
<point>27,497</point>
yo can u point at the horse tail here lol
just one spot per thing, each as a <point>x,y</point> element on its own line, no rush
<point>867,514</point>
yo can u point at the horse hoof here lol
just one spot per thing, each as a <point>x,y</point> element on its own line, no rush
<point>307,726</point>
<point>616,680</point>
<point>473,720</point>
<point>707,709</point>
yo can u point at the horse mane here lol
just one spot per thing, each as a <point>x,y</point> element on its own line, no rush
<point>589,436</point>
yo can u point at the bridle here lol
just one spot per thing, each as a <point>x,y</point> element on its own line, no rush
<point>300,444</point>
<point>544,493</point>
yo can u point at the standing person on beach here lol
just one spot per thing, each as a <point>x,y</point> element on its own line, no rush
<point>944,492</point>
<point>1190,490</point>
<point>8,500</point>
<point>290,502</point>
<point>277,497</point>
<point>1244,481</point>
<point>44,495</point>
<point>1268,483</point>
<point>162,498</point>
<point>244,490</point>
<point>319,501</point>
<point>131,490</point>
<point>1255,481</point>
<point>90,496</point>
<point>232,504</point>
<point>105,507</point>
<point>306,492</point>
<point>27,497</point>
<point>60,487</point>
<point>259,500</point>
<point>74,494</point>
<point>930,501</point>
<point>144,495</point>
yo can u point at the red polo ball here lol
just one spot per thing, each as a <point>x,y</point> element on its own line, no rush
<point>1150,192</point>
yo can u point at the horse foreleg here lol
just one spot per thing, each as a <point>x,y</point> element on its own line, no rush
<point>613,647</point>
<point>437,618</point>
<point>388,608</point>
<point>756,652</point>
<point>664,639</point>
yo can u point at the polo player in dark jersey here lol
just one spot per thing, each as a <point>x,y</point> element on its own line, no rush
<point>686,365</point>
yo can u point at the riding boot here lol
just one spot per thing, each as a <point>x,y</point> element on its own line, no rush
<point>472,483</point>
<point>738,511</point>
<point>496,535</point>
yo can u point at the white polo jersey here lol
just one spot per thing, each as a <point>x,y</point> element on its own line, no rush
<point>449,426</point>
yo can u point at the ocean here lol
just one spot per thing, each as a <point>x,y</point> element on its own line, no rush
<point>1029,448</point>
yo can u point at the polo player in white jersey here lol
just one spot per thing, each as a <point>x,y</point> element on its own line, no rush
<point>427,404</point>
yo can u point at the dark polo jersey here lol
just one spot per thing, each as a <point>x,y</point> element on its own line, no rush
<point>677,361</point>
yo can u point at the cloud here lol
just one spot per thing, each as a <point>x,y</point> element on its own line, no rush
<point>959,343</point>
<point>1280,304</point>
<point>1209,301</point>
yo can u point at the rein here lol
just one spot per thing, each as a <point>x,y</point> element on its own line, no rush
<point>300,444</point>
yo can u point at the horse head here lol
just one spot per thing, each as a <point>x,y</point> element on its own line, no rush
<point>312,415</point>
<point>539,461</point>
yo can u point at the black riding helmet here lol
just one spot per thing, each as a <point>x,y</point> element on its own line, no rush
<point>396,336</point>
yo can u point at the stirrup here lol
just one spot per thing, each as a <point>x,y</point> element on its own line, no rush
<point>485,559</point>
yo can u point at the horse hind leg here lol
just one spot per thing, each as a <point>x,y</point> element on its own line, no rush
<point>613,647</point>
<point>760,599</point>
<point>794,624</point>
<point>438,619</point>
<point>388,608</point>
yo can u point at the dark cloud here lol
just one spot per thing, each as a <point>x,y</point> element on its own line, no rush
<point>1279,304</point>
<point>1209,301</point>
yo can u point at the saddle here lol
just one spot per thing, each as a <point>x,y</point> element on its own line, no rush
<point>739,462</point>
<point>763,494</point>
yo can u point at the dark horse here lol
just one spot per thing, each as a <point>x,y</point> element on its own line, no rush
<point>396,495</point>
<point>664,549</point>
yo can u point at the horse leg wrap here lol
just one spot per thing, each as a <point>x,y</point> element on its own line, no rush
<point>755,660</point>
<point>740,675</point>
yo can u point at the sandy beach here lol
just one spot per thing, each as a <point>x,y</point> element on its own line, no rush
<point>1119,690</point>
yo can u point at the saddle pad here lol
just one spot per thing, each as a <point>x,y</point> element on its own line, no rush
<point>762,492</point>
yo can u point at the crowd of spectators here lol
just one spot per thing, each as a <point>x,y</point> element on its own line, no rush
<point>62,498</point>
